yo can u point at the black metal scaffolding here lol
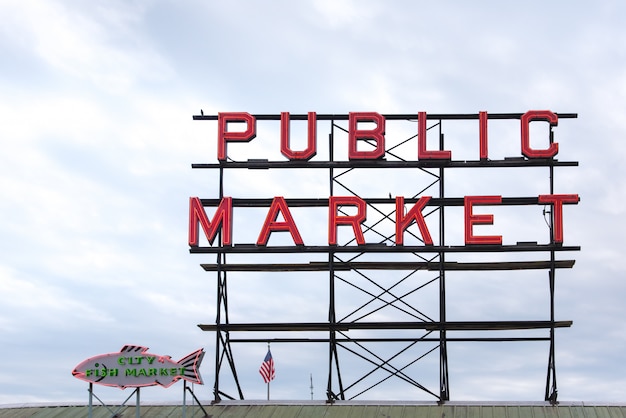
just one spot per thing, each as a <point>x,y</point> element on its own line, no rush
<point>387,277</point>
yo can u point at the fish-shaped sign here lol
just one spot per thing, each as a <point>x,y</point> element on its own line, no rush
<point>133,366</point>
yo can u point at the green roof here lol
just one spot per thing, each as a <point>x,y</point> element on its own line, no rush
<point>320,409</point>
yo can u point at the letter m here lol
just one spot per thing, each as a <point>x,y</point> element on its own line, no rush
<point>222,218</point>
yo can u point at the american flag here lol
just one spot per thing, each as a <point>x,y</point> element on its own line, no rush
<point>267,368</point>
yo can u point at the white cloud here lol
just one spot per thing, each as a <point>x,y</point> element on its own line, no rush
<point>96,102</point>
<point>99,44</point>
<point>30,297</point>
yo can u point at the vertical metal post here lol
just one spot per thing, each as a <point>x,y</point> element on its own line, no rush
<point>90,400</point>
<point>551,388</point>
<point>218,348</point>
<point>444,394</point>
<point>184,398</point>
<point>331,282</point>
<point>269,380</point>
<point>138,404</point>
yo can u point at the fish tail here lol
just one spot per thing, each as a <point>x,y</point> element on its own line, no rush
<point>191,363</point>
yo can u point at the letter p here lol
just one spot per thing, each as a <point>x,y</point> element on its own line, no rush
<point>224,135</point>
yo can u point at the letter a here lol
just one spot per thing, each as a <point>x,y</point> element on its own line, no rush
<point>271,224</point>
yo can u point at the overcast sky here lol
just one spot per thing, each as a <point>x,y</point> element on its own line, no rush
<point>96,105</point>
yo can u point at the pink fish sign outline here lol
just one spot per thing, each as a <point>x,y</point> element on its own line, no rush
<point>133,366</point>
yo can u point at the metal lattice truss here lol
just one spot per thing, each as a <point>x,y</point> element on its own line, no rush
<point>387,304</point>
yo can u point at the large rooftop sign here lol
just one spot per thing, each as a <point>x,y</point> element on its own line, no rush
<point>373,194</point>
<point>241,127</point>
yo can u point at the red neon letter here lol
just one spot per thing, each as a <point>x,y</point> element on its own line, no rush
<point>422,153</point>
<point>223,135</point>
<point>403,222</point>
<point>333,219</point>
<point>279,206</point>
<point>377,134</point>
<point>543,115</point>
<point>557,200</point>
<point>223,217</point>
<point>471,220</point>
<point>311,144</point>
<point>482,122</point>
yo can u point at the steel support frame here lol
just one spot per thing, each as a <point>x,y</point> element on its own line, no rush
<point>346,257</point>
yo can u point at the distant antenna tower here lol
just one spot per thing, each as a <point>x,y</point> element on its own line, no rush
<point>311,386</point>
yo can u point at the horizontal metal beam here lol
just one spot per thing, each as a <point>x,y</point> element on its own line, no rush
<point>429,326</point>
<point>381,248</point>
<point>401,116</point>
<point>383,265</point>
<point>323,202</point>
<point>386,340</point>
<point>509,162</point>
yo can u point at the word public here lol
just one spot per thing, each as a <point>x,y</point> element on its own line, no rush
<point>375,136</point>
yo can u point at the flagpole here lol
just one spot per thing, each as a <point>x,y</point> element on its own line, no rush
<point>267,369</point>
<point>269,380</point>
